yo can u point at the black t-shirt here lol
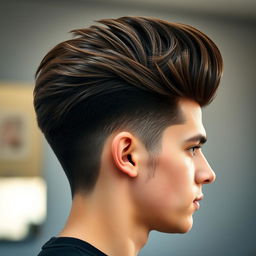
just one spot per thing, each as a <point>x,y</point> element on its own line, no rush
<point>69,246</point>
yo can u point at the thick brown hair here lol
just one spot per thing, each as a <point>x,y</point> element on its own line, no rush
<point>125,74</point>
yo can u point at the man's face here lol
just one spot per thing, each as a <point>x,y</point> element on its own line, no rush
<point>166,200</point>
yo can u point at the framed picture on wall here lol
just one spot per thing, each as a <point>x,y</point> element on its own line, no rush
<point>20,138</point>
<point>22,188</point>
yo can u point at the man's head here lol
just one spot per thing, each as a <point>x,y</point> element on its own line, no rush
<point>131,76</point>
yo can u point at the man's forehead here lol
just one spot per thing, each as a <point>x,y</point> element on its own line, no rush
<point>190,109</point>
<point>191,129</point>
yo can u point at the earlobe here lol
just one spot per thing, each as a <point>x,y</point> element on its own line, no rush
<point>124,153</point>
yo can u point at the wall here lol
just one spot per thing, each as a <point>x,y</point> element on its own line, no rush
<point>225,224</point>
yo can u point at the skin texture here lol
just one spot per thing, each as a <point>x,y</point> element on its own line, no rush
<point>130,200</point>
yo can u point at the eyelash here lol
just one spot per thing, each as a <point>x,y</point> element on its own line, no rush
<point>194,149</point>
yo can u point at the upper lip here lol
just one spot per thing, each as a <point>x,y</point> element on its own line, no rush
<point>200,197</point>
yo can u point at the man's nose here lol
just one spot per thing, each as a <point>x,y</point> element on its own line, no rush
<point>205,174</point>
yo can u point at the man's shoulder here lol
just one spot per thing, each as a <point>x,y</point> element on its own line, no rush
<point>69,246</point>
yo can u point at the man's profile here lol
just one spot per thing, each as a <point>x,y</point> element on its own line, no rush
<point>120,105</point>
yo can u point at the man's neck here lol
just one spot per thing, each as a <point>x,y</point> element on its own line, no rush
<point>106,222</point>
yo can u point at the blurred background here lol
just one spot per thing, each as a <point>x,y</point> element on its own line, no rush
<point>226,222</point>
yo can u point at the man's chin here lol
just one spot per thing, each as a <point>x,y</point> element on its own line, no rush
<point>179,228</point>
<point>185,230</point>
<point>186,226</point>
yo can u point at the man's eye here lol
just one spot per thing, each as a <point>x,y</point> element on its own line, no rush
<point>193,150</point>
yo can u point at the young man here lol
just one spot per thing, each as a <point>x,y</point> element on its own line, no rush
<point>120,105</point>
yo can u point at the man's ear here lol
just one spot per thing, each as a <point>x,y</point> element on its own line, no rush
<point>124,153</point>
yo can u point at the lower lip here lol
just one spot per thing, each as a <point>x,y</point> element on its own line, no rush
<point>197,205</point>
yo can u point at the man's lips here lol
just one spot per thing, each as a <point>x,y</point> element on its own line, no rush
<point>196,201</point>
<point>200,197</point>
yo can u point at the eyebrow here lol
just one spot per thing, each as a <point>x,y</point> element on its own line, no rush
<point>199,137</point>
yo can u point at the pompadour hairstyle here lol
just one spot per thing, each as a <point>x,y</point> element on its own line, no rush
<point>126,73</point>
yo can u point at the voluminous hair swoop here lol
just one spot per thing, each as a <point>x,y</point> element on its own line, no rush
<point>126,73</point>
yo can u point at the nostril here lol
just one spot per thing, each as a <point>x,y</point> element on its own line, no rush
<point>211,179</point>
<point>207,181</point>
